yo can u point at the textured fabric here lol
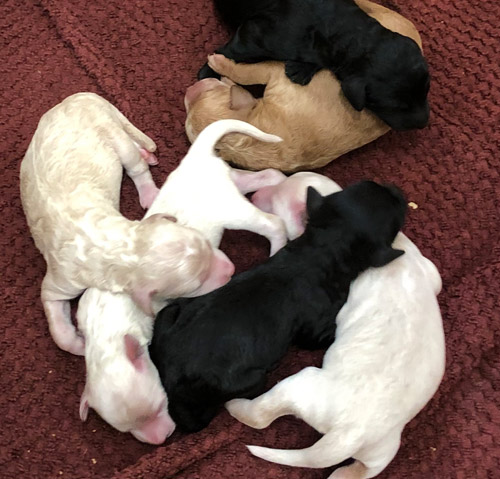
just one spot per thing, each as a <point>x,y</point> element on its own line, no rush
<point>142,55</point>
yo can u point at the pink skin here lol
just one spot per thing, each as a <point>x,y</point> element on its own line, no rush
<point>155,429</point>
<point>195,90</point>
<point>220,272</point>
<point>145,186</point>
<point>286,202</point>
<point>262,198</point>
<point>152,426</point>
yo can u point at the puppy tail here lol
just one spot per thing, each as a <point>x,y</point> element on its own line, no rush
<point>326,452</point>
<point>209,137</point>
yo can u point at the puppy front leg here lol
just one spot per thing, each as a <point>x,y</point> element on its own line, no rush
<point>249,181</point>
<point>58,313</point>
<point>61,328</point>
<point>301,72</point>
<point>242,73</point>
<point>135,159</point>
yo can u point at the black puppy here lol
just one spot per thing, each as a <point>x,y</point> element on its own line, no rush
<point>220,346</point>
<point>380,70</point>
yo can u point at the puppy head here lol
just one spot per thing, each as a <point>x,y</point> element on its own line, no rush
<point>210,100</point>
<point>373,213</point>
<point>124,388</point>
<point>174,261</point>
<point>394,86</point>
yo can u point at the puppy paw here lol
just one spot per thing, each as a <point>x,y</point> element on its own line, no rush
<point>74,344</point>
<point>147,194</point>
<point>240,410</point>
<point>300,72</point>
<point>148,157</point>
<point>220,63</point>
<point>207,72</point>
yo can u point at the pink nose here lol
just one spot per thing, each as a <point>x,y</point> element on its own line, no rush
<point>194,91</point>
<point>221,270</point>
<point>224,265</point>
<point>156,429</point>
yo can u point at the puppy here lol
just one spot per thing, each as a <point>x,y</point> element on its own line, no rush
<point>70,187</point>
<point>220,346</point>
<point>122,383</point>
<point>385,365</point>
<point>316,121</point>
<point>378,69</point>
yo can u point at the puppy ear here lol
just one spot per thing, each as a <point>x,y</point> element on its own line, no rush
<point>314,200</point>
<point>84,405</point>
<point>384,256</point>
<point>354,89</point>
<point>143,297</point>
<point>134,351</point>
<point>241,98</point>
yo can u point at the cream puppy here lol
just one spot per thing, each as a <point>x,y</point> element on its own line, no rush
<point>70,188</point>
<point>122,383</point>
<point>385,365</point>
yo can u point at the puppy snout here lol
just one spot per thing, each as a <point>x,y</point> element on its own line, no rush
<point>194,91</point>
<point>224,266</point>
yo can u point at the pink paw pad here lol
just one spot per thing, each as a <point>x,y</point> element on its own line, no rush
<point>147,194</point>
<point>148,157</point>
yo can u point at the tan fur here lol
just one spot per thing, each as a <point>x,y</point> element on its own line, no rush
<point>316,121</point>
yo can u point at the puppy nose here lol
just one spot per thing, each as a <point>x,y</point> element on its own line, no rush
<point>226,266</point>
<point>195,90</point>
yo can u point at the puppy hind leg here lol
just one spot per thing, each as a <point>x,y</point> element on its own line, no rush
<point>287,397</point>
<point>250,218</point>
<point>248,181</point>
<point>356,470</point>
<point>371,460</point>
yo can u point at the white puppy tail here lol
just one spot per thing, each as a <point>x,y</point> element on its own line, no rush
<point>208,138</point>
<point>326,452</point>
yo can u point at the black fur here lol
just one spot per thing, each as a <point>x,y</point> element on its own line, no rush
<point>220,346</point>
<point>380,70</point>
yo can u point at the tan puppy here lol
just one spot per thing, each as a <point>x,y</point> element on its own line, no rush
<point>70,188</point>
<point>316,121</point>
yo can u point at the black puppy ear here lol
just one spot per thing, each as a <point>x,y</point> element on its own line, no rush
<point>354,89</point>
<point>314,200</point>
<point>384,256</point>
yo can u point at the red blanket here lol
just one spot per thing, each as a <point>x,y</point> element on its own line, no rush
<point>142,55</point>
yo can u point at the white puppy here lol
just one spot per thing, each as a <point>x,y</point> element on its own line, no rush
<point>122,384</point>
<point>70,188</point>
<point>386,363</point>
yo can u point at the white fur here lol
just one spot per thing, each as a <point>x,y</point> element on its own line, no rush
<point>125,394</point>
<point>200,193</point>
<point>70,188</point>
<point>385,365</point>
<point>203,192</point>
